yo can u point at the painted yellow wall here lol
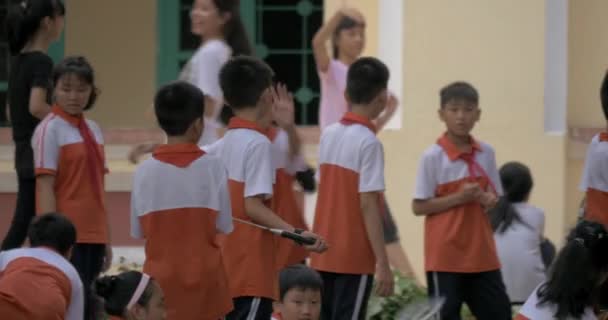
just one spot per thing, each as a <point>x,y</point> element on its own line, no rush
<point>497,47</point>
<point>119,38</point>
<point>587,52</point>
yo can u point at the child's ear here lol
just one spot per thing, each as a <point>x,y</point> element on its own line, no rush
<point>440,114</point>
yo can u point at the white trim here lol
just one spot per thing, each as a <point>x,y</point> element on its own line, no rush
<point>437,294</point>
<point>255,305</point>
<point>360,294</point>
<point>390,51</point>
<point>556,66</point>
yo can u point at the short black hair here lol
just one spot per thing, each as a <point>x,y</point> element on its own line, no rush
<point>299,276</point>
<point>118,290</point>
<point>80,67</point>
<point>177,105</point>
<point>604,95</point>
<point>366,78</point>
<point>459,91</point>
<point>52,230</point>
<point>243,80</point>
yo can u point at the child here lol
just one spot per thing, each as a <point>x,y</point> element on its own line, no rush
<point>132,295</point>
<point>518,231</point>
<point>351,168</point>
<point>179,203</point>
<point>70,167</point>
<point>594,181</point>
<point>457,182</point>
<point>300,294</point>
<point>246,152</point>
<point>572,288</point>
<point>288,161</point>
<point>39,282</point>
<point>31,27</point>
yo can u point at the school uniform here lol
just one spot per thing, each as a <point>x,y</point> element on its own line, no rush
<point>284,201</point>
<point>248,251</point>
<point>179,203</point>
<point>595,180</point>
<point>532,311</point>
<point>351,161</point>
<point>71,149</point>
<point>39,284</point>
<point>460,253</point>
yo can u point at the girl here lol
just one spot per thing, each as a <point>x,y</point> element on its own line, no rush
<point>579,270</point>
<point>70,168</point>
<point>222,33</point>
<point>518,231</point>
<point>131,295</point>
<point>32,26</point>
<point>347,32</point>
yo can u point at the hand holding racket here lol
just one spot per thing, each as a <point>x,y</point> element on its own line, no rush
<point>309,240</point>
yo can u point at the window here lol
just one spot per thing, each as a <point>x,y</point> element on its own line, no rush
<point>287,50</point>
<point>55,51</point>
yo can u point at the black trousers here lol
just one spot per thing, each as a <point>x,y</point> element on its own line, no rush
<point>88,258</point>
<point>345,296</point>
<point>250,308</point>
<point>483,292</point>
<point>25,210</point>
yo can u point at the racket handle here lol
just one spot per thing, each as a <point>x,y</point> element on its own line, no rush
<point>298,238</point>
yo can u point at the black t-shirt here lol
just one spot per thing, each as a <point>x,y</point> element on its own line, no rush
<point>28,70</point>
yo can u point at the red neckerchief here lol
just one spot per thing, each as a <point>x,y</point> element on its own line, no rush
<point>604,136</point>
<point>94,156</point>
<point>179,155</point>
<point>353,118</point>
<point>240,123</point>
<point>475,169</point>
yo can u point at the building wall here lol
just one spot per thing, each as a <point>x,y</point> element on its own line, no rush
<point>119,38</point>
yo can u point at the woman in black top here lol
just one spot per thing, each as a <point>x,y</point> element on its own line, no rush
<point>32,26</point>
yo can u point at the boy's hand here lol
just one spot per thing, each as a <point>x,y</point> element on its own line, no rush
<point>283,107</point>
<point>385,282</point>
<point>391,105</point>
<point>319,246</point>
<point>487,200</point>
<point>470,192</point>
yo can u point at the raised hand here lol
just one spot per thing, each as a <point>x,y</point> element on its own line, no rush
<point>283,108</point>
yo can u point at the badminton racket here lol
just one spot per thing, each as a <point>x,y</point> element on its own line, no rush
<point>298,238</point>
<point>422,309</point>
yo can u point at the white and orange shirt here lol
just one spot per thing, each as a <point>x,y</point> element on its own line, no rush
<point>284,201</point>
<point>60,150</point>
<point>39,283</point>
<point>595,179</point>
<point>179,204</point>
<point>532,311</point>
<point>248,251</point>
<point>459,239</point>
<point>351,162</point>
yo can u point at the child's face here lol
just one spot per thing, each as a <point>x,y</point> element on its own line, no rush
<point>460,117</point>
<point>351,41</point>
<point>72,93</point>
<point>155,310</point>
<point>300,304</point>
<point>205,18</point>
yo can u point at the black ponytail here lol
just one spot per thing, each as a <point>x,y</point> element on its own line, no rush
<point>118,290</point>
<point>234,30</point>
<point>23,20</point>
<point>517,183</point>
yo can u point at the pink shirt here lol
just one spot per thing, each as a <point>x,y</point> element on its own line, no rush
<point>333,84</point>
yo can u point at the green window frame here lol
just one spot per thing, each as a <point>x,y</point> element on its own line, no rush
<point>170,57</point>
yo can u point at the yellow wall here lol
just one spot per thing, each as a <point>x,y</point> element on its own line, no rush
<point>497,47</point>
<point>587,52</point>
<point>119,38</point>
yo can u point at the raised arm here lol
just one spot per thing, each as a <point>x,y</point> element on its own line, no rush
<point>319,41</point>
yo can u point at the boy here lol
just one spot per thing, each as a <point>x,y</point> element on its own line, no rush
<point>351,183</point>
<point>300,294</point>
<point>593,182</point>
<point>179,203</point>
<point>246,152</point>
<point>457,182</point>
<point>39,282</point>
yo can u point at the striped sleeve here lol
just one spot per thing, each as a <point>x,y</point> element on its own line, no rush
<point>46,147</point>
